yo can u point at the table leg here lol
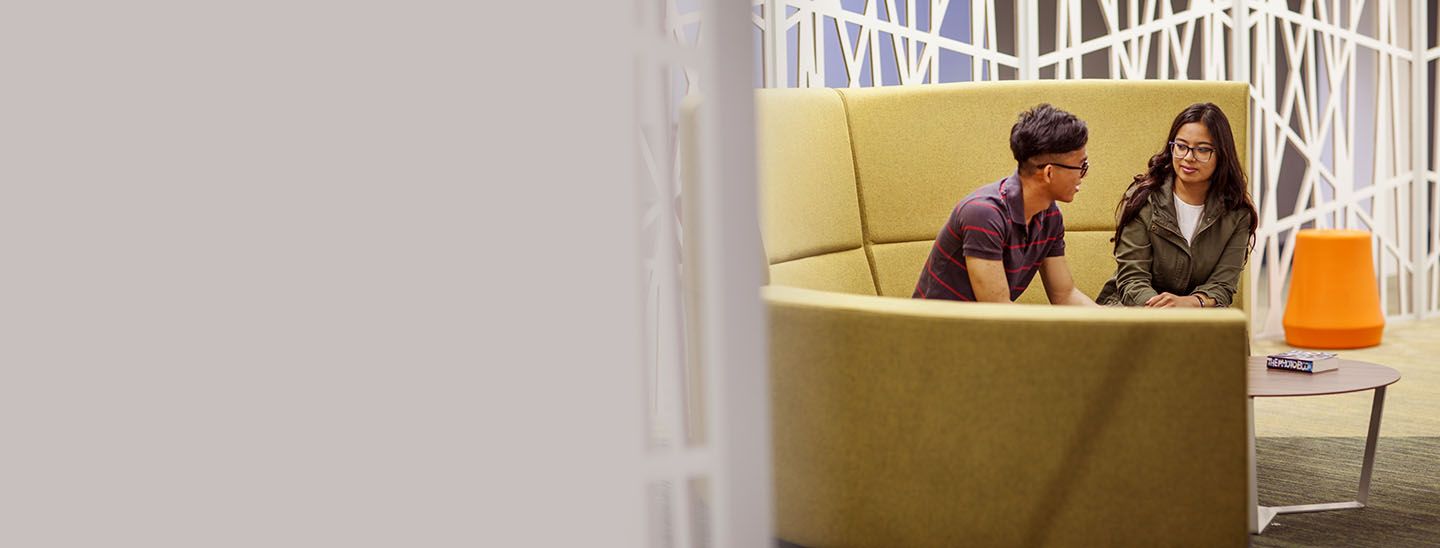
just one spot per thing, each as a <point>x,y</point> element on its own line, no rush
<point>1263,514</point>
<point>1374,435</point>
<point>1259,515</point>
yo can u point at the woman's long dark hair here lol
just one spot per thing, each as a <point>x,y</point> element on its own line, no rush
<point>1228,179</point>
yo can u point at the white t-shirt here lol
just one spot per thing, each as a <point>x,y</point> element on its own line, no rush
<point>1188,216</point>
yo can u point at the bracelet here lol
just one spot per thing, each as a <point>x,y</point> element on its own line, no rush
<point>1201,299</point>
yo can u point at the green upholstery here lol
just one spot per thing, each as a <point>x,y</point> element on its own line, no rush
<point>844,271</point>
<point>808,147</point>
<point>905,422</point>
<point>897,265</point>
<point>902,422</point>
<point>919,149</point>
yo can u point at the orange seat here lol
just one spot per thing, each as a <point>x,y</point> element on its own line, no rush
<point>1334,301</point>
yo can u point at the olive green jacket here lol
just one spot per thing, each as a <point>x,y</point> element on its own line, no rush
<point>1152,256</point>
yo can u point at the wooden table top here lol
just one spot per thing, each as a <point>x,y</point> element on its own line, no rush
<point>1352,376</point>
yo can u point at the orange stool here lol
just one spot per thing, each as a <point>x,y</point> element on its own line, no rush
<point>1334,301</point>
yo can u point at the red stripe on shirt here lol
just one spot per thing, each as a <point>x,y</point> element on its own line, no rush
<point>952,232</point>
<point>967,227</point>
<point>1023,268</point>
<point>942,282</point>
<point>947,256</point>
<point>991,206</point>
<point>1038,242</point>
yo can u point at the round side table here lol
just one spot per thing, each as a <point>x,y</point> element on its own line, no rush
<point>1351,376</point>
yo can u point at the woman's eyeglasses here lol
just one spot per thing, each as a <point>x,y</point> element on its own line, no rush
<point>1202,154</point>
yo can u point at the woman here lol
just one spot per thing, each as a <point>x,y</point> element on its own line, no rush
<point>1187,224</point>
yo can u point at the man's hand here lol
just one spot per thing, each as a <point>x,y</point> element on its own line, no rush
<point>1171,300</point>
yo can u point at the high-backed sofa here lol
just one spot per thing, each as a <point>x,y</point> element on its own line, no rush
<point>904,422</point>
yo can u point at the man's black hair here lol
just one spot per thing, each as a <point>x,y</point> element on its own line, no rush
<point>1046,130</point>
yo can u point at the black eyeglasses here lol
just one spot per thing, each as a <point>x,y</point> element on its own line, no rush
<point>1082,167</point>
<point>1202,154</point>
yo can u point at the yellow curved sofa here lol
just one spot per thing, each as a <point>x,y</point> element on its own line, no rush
<point>901,422</point>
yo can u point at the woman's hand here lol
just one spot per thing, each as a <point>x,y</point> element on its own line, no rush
<point>1171,300</point>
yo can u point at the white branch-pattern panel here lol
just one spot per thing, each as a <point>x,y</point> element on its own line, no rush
<point>1334,113</point>
<point>1132,33</point>
<point>666,72</point>
<point>1431,280</point>
<point>851,43</point>
<point>1333,105</point>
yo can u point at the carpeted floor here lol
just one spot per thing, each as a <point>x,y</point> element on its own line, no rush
<point>1404,506</point>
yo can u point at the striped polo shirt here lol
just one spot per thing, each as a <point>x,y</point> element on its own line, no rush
<point>990,224</point>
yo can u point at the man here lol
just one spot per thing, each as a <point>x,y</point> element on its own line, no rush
<point>999,235</point>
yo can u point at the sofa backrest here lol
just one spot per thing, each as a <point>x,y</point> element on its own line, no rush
<point>810,213</point>
<point>903,156</point>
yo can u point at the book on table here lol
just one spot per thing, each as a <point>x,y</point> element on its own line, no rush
<point>1302,360</point>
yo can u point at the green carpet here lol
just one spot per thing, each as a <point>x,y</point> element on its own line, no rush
<point>1404,505</point>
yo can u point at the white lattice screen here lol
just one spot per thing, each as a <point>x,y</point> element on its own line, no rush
<point>705,369</point>
<point>1342,125</point>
